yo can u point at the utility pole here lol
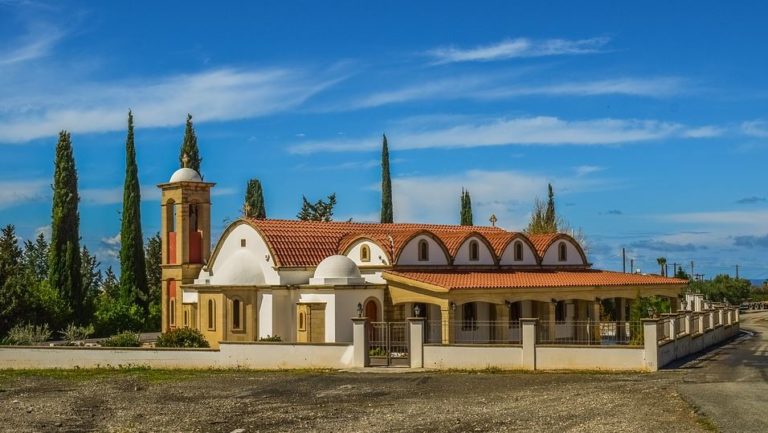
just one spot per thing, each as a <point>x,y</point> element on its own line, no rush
<point>692,273</point>
<point>632,266</point>
<point>624,260</point>
<point>737,272</point>
<point>674,268</point>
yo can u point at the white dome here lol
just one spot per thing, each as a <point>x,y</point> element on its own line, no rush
<point>337,267</point>
<point>240,269</point>
<point>185,175</point>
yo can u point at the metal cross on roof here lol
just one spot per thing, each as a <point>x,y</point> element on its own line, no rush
<point>493,220</point>
<point>185,160</point>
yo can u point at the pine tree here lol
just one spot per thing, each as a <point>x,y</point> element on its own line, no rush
<point>133,276</point>
<point>36,258</point>
<point>153,254</point>
<point>12,296</point>
<point>10,253</point>
<point>321,210</point>
<point>91,279</point>
<point>189,147</point>
<point>386,184</point>
<point>466,208</point>
<point>254,200</point>
<point>64,250</point>
<point>550,219</point>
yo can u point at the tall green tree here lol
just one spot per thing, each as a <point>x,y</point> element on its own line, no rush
<point>36,257</point>
<point>64,271</point>
<point>466,208</point>
<point>550,218</point>
<point>386,184</point>
<point>12,301</point>
<point>662,262</point>
<point>254,200</point>
<point>189,147</point>
<point>321,210</point>
<point>543,217</point>
<point>133,275</point>
<point>153,258</point>
<point>10,253</point>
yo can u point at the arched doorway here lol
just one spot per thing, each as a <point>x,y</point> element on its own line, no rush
<point>372,311</point>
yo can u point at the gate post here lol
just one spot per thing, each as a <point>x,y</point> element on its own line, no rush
<point>651,343</point>
<point>528,331</point>
<point>416,341</point>
<point>360,342</point>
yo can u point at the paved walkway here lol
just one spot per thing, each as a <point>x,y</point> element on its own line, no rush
<point>730,383</point>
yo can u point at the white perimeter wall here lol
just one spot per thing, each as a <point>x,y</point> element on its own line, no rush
<point>473,357</point>
<point>590,358</point>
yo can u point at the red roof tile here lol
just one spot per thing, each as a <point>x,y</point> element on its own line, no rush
<point>460,280</point>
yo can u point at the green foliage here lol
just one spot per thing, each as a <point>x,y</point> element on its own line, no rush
<point>466,208</point>
<point>386,184</point>
<point>321,210</point>
<point>153,256</point>
<point>114,315</point>
<point>271,338</point>
<point>377,351</point>
<point>543,217</point>
<point>662,262</point>
<point>74,334</point>
<point>64,253</point>
<point>10,253</point>
<point>133,275</point>
<point>182,337</point>
<point>723,287</point>
<point>123,339</point>
<point>254,200</point>
<point>46,305</point>
<point>28,335</point>
<point>35,259</point>
<point>92,280</point>
<point>189,147</point>
<point>682,274</point>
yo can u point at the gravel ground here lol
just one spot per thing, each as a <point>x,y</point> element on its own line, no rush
<point>173,401</point>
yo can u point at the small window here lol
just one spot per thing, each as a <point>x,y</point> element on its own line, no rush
<point>365,253</point>
<point>186,319</point>
<point>562,252</point>
<point>236,314</point>
<point>172,312</point>
<point>560,311</point>
<point>242,243</point>
<point>469,316</point>
<point>423,251</point>
<point>518,251</point>
<point>474,251</point>
<point>302,322</point>
<point>211,314</point>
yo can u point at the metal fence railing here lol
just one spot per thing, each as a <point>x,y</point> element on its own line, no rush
<point>662,330</point>
<point>388,343</point>
<point>680,325</point>
<point>587,332</point>
<point>696,323</point>
<point>716,319</point>
<point>473,331</point>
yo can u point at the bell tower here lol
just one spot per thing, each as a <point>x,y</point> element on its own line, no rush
<point>185,231</point>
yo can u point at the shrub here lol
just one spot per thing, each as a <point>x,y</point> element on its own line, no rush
<point>271,338</point>
<point>123,339</point>
<point>182,337</point>
<point>74,334</point>
<point>113,316</point>
<point>28,335</point>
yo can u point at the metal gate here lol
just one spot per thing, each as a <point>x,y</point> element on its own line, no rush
<point>388,344</point>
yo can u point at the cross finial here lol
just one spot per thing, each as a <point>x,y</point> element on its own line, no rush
<point>493,220</point>
<point>185,160</point>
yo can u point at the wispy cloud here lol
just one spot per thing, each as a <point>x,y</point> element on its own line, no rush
<point>751,241</point>
<point>755,128</point>
<point>215,95</point>
<point>516,48</point>
<point>38,43</point>
<point>664,246</point>
<point>584,170</point>
<point>542,131</point>
<point>751,200</point>
<point>13,193</point>
<point>114,195</point>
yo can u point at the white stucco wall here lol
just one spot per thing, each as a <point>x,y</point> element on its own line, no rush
<point>551,255</point>
<point>473,357</point>
<point>508,255</point>
<point>589,358</point>
<point>265,313</point>
<point>410,253</point>
<point>462,255</point>
<point>346,309</point>
<point>378,256</point>
<point>254,244</point>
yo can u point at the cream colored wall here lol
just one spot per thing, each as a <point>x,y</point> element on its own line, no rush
<point>508,255</point>
<point>410,256</point>
<point>249,320</point>
<point>462,255</point>
<point>590,358</point>
<point>378,256</point>
<point>217,334</point>
<point>551,255</point>
<point>310,296</point>
<point>473,357</point>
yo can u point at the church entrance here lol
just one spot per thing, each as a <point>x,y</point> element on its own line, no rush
<point>310,323</point>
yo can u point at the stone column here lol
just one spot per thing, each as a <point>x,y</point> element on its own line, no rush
<point>551,333</point>
<point>528,330</point>
<point>502,323</point>
<point>595,318</point>
<point>720,318</point>
<point>447,317</point>
<point>651,344</point>
<point>621,317</point>
<point>359,342</point>
<point>416,341</point>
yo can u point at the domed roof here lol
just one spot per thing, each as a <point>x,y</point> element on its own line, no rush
<point>240,269</point>
<point>185,175</point>
<point>337,267</point>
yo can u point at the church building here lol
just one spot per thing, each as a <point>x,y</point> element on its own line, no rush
<point>302,281</point>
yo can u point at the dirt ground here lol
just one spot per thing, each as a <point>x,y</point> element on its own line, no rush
<point>173,401</point>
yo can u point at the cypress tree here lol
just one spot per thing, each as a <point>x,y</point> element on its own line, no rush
<point>466,208</point>
<point>550,219</point>
<point>189,147</point>
<point>64,250</point>
<point>386,184</point>
<point>254,200</point>
<point>133,276</point>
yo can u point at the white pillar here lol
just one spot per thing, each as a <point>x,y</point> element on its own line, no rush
<point>528,329</point>
<point>360,342</point>
<point>416,341</point>
<point>651,344</point>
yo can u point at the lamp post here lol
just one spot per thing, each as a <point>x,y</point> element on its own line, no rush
<point>416,310</point>
<point>359,310</point>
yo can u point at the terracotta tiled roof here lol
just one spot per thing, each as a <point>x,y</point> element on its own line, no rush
<point>461,280</point>
<point>541,242</point>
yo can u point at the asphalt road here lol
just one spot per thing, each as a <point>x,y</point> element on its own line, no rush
<point>730,384</point>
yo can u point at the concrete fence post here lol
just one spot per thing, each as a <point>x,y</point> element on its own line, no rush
<point>359,342</point>
<point>720,316</point>
<point>416,341</point>
<point>688,323</point>
<point>528,331</point>
<point>700,329</point>
<point>711,315</point>
<point>671,324</point>
<point>651,343</point>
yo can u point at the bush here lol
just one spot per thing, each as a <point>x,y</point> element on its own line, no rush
<point>271,338</point>
<point>123,339</point>
<point>114,316</point>
<point>182,337</point>
<point>28,335</point>
<point>74,334</point>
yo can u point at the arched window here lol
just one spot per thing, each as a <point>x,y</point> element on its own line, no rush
<point>474,251</point>
<point>365,253</point>
<point>172,312</point>
<point>186,318</point>
<point>302,322</point>
<point>423,251</point>
<point>518,251</point>
<point>193,217</point>
<point>211,314</point>
<point>237,314</point>
<point>562,252</point>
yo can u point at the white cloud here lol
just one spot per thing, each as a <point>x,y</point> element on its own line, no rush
<point>110,247</point>
<point>148,193</point>
<point>755,128</point>
<point>584,170</point>
<point>13,193</point>
<point>216,95</point>
<point>516,48</point>
<point>542,130</point>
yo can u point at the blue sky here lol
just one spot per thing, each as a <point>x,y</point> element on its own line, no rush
<point>650,120</point>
